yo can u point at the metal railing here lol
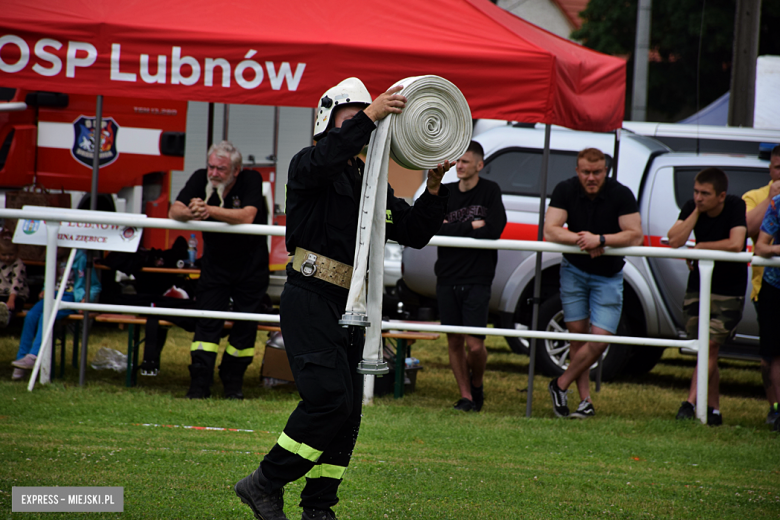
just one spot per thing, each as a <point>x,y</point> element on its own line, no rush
<point>706,264</point>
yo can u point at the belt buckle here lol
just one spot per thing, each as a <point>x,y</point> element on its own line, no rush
<point>308,267</point>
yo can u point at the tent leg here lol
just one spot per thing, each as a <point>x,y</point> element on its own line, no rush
<point>210,130</point>
<point>538,270</point>
<point>92,206</point>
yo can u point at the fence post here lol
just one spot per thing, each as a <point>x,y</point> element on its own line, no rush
<point>49,286</point>
<point>703,358</point>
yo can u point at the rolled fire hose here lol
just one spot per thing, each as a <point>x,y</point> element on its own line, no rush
<point>434,126</point>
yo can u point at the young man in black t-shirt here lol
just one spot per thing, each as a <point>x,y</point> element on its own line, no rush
<point>718,222</point>
<point>599,212</point>
<point>464,275</point>
<point>233,267</point>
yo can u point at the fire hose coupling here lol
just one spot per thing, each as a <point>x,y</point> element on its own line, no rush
<point>372,367</point>
<point>354,319</point>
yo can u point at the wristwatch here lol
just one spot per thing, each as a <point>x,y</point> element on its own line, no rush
<point>602,241</point>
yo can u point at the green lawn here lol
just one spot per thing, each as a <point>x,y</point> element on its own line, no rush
<point>415,458</point>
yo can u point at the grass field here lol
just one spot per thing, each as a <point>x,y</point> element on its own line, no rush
<point>415,458</point>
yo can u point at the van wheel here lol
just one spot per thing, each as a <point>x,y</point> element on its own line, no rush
<point>552,356</point>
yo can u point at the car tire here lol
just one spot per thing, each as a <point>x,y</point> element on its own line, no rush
<point>552,356</point>
<point>643,359</point>
<point>517,345</point>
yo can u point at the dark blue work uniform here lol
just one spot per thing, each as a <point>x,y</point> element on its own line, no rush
<point>233,266</point>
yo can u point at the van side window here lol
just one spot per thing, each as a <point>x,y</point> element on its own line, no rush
<point>518,171</point>
<point>740,181</point>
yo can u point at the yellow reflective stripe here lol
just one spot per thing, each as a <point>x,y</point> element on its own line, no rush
<point>299,448</point>
<point>233,351</point>
<point>205,346</point>
<point>388,216</point>
<point>327,471</point>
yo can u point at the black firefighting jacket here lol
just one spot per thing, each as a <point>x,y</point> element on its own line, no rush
<point>323,197</point>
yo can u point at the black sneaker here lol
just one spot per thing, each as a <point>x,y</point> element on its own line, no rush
<point>265,506</point>
<point>478,396</point>
<point>774,413</point>
<point>318,514</point>
<point>776,426</point>
<point>584,410</point>
<point>464,405</point>
<point>714,418</point>
<point>559,399</point>
<point>686,411</point>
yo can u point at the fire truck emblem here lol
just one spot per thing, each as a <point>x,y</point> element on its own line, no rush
<point>83,149</point>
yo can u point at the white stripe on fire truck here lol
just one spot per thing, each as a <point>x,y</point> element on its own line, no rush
<point>141,141</point>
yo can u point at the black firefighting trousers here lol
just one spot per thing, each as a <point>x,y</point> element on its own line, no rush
<point>214,293</point>
<point>320,434</point>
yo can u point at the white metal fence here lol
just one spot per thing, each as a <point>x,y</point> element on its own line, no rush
<point>706,263</point>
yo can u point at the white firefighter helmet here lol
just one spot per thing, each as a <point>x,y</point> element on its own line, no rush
<point>351,91</point>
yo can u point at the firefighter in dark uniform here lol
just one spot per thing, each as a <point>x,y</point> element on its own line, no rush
<point>233,266</point>
<point>323,197</point>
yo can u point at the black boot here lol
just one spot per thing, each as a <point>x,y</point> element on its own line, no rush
<point>232,377</point>
<point>252,491</point>
<point>154,343</point>
<point>200,382</point>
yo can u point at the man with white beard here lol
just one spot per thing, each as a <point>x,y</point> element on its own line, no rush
<point>233,266</point>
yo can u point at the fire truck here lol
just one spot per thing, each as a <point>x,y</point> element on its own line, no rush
<point>47,144</point>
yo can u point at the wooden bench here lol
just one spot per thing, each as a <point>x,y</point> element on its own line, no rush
<point>134,340</point>
<point>403,343</point>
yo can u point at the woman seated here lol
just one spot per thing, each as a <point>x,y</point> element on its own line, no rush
<point>32,332</point>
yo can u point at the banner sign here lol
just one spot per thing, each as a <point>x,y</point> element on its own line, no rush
<point>80,235</point>
<point>506,67</point>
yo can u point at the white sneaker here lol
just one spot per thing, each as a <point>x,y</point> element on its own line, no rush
<point>19,374</point>
<point>27,362</point>
<point>584,410</point>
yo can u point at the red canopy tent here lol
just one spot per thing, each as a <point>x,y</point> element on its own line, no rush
<point>288,53</point>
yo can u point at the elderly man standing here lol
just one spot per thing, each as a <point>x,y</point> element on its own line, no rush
<point>599,212</point>
<point>233,266</point>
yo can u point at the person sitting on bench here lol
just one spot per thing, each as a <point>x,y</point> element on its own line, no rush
<point>32,331</point>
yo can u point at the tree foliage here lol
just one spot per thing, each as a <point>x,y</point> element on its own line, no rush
<point>676,27</point>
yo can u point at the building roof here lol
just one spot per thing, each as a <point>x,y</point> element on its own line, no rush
<point>572,10</point>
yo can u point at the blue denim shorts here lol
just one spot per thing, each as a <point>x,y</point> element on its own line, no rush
<point>585,295</point>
